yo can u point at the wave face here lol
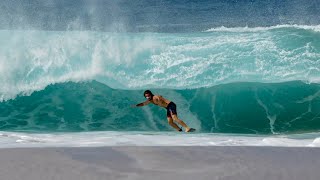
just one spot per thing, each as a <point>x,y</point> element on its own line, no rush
<point>32,60</point>
<point>250,108</point>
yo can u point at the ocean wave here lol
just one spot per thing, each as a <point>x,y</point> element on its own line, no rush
<point>245,108</point>
<point>32,60</point>
<point>315,28</point>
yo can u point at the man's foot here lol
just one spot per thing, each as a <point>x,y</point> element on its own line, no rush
<point>190,130</point>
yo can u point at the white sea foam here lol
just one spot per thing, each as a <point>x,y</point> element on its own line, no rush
<point>96,139</point>
<point>315,28</point>
<point>32,60</point>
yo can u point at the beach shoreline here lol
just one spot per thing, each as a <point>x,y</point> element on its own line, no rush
<point>160,162</point>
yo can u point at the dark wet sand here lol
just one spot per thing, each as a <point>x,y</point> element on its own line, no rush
<point>160,163</point>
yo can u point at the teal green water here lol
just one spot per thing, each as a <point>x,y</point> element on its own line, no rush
<point>261,80</point>
<point>251,108</point>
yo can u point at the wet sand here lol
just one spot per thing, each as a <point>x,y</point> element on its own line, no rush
<point>160,163</point>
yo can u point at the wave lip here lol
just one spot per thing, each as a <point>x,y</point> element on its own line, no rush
<point>315,28</point>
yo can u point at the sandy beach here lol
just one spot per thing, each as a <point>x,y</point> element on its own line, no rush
<point>80,163</point>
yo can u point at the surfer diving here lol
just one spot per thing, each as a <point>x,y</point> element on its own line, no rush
<point>170,107</point>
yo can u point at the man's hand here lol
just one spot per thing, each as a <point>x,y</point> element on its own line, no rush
<point>142,104</point>
<point>138,105</point>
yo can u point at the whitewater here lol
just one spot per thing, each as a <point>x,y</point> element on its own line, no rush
<point>31,60</point>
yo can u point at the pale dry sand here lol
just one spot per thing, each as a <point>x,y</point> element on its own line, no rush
<point>160,163</point>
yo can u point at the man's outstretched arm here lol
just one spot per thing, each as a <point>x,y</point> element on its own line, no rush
<point>143,103</point>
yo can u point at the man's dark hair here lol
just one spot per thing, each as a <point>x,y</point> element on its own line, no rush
<point>147,92</point>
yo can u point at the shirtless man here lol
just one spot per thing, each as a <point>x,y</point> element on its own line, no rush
<point>171,109</point>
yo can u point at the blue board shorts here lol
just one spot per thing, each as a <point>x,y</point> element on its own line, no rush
<point>171,108</point>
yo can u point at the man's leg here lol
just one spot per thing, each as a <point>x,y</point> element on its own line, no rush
<point>174,125</point>
<point>176,119</point>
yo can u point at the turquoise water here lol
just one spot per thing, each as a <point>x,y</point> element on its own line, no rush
<point>224,80</point>
<point>246,108</point>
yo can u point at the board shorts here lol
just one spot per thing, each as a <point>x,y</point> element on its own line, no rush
<point>171,108</point>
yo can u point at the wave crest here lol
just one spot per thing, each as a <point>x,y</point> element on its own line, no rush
<point>315,28</point>
<point>32,60</point>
